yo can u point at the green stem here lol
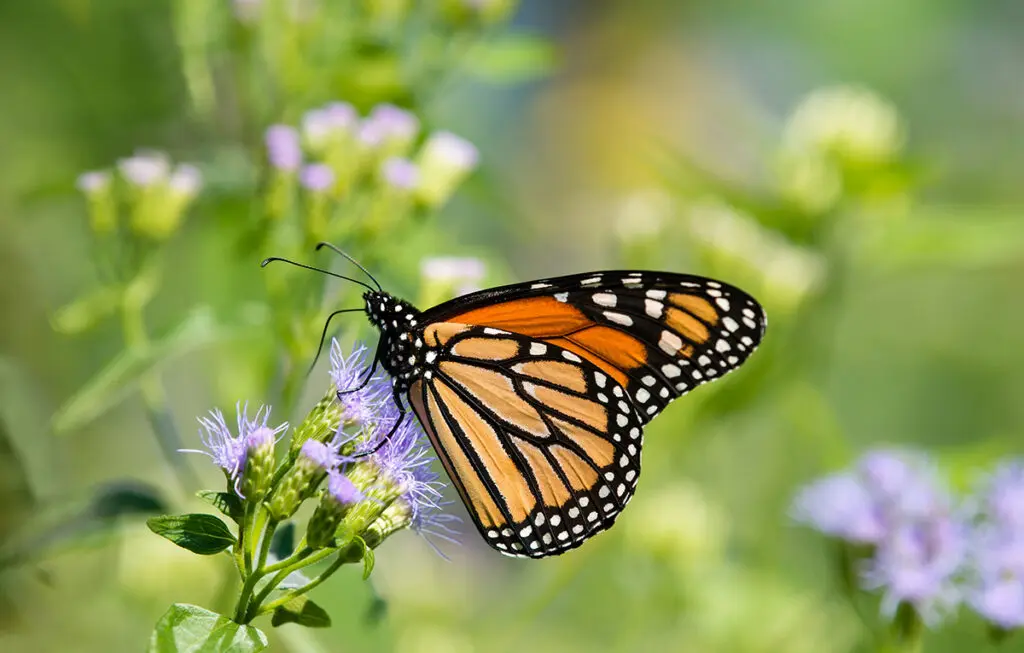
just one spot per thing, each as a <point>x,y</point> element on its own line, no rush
<point>288,596</point>
<point>304,561</point>
<point>155,399</point>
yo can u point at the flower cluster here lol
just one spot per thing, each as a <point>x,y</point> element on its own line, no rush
<point>368,473</point>
<point>342,150</point>
<point>918,544</point>
<point>156,193</point>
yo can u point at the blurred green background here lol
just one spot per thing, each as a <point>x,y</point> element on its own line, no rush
<point>654,134</point>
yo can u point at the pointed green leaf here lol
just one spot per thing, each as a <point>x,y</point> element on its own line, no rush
<point>199,533</point>
<point>228,503</point>
<point>302,611</point>
<point>368,560</point>
<point>191,629</point>
<point>283,544</point>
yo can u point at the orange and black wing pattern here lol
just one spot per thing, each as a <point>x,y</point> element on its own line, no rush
<point>538,396</point>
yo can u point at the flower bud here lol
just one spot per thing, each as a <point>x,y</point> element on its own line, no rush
<point>444,162</point>
<point>97,186</point>
<point>335,503</point>
<point>391,520</point>
<point>321,424</point>
<point>259,463</point>
<point>283,149</point>
<point>388,131</point>
<point>302,480</point>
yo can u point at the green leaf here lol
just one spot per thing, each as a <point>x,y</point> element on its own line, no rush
<point>368,560</point>
<point>84,312</point>
<point>78,521</point>
<point>227,503</point>
<point>283,544</point>
<point>512,58</point>
<point>302,611</point>
<point>191,629</point>
<point>118,379</point>
<point>198,532</point>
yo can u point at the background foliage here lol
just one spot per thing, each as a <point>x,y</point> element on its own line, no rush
<point>888,251</point>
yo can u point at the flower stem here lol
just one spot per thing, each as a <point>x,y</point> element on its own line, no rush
<point>288,596</point>
<point>155,399</point>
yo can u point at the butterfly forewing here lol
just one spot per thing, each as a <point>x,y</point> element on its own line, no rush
<point>658,334</point>
<point>542,445</point>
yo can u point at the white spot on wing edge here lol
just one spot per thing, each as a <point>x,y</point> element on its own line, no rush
<point>670,343</point>
<point>562,296</point>
<point>618,318</point>
<point>606,299</point>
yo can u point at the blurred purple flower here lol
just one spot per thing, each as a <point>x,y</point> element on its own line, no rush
<point>93,181</point>
<point>341,115</point>
<point>230,451</point>
<point>997,560</point>
<point>450,151</point>
<point>400,173</point>
<point>186,180</point>
<point>283,149</point>
<point>317,177</point>
<point>893,500</point>
<point>388,124</point>
<point>145,168</point>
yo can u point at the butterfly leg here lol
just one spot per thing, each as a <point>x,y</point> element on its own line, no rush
<point>366,379</point>
<point>402,412</point>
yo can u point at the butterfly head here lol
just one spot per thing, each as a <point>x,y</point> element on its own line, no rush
<point>398,321</point>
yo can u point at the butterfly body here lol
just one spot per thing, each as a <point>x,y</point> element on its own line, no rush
<point>535,395</point>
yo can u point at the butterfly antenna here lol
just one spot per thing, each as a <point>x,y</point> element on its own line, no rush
<point>266,261</point>
<point>336,250</point>
<point>323,336</point>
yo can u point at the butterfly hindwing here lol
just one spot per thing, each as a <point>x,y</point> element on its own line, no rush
<point>542,445</point>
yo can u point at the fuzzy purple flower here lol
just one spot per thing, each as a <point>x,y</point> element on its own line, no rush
<point>283,149</point>
<point>317,177</point>
<point>230,451</point>
<point>342,490</point>
<point>894,502</point>
<point>997,560</point>
<point>145,168</point>
<point>400,173</point>
<point>362,399</point>
<point>387,124</point>
<point>90,183</point>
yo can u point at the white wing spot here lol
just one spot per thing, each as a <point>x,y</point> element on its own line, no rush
<point>555,520</point>
<point>663,393</point>
<point>747,340</point>
<point>564,535</point>
<point>605,299</point>
<point>526,531</point>
<point>574,512</point>
<point>648,380</point>
<point>578,528</point>
<point>713,292</point>
<point>750,323</point>
<point>670,343</point>
<point>730,323</point>
<point>722,345</point>
<point>723,303</point>
<point>733,360</point>
<point>704,361</point>
<point>652,409</point>
<point>600,379</point>
<point>670,370</point>
<point>547,538</point>
<point>631,449</point>
<point>630,475</point>
<point>681,387</point>
<point>569,356</point>
<point>621,419</point>
<point>539,520</point>
<point>538,348</point>
<point>431,355</point>
<point>634,432</point>
<point>749,312</point>
<point>609,507</point>
<point>592,516</point>
<point>562,296</point>
<point>617,391</point>
<point>492,534</point>
<point>539,285</point>
<point>507,532</point>
<point>602,397</point>
<point>654,308</point>
<point>642,395</point>
<point>697,374</point>
<point>619,318</point>
<point>604,491</point>
<point>584,502</point>
<point>591,280</point>
<point>624,407</point>
<point>619,491</point>
<point>609,476</point>
<point>624,461</point>
<point>656,294</point>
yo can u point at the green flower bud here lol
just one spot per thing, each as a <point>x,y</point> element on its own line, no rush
<point>392,519</point>
<point>444,162</point>
<point>302,479</point>
<point>321,424</point>
<point>335,504</point>
<point>259,463</point>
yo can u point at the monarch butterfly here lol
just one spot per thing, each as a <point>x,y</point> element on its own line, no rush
<point>535,395</point>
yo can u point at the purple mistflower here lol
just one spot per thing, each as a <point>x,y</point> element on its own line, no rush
<point>342,489</point>
<point>317,177</point>
<point>894,501</point>
<point>446,149</point>
<point>283,149</point>
<point>93,181</point>
<point>228,450</point>
<point>186,180</point>
<point>365,405</point>
<point>400,173</point>
<point>405,460</point>
<point>340,115</point>
<point>386,124</point>
<point>145,168</point>
<point>997,560</point>
<point>322,456</point>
